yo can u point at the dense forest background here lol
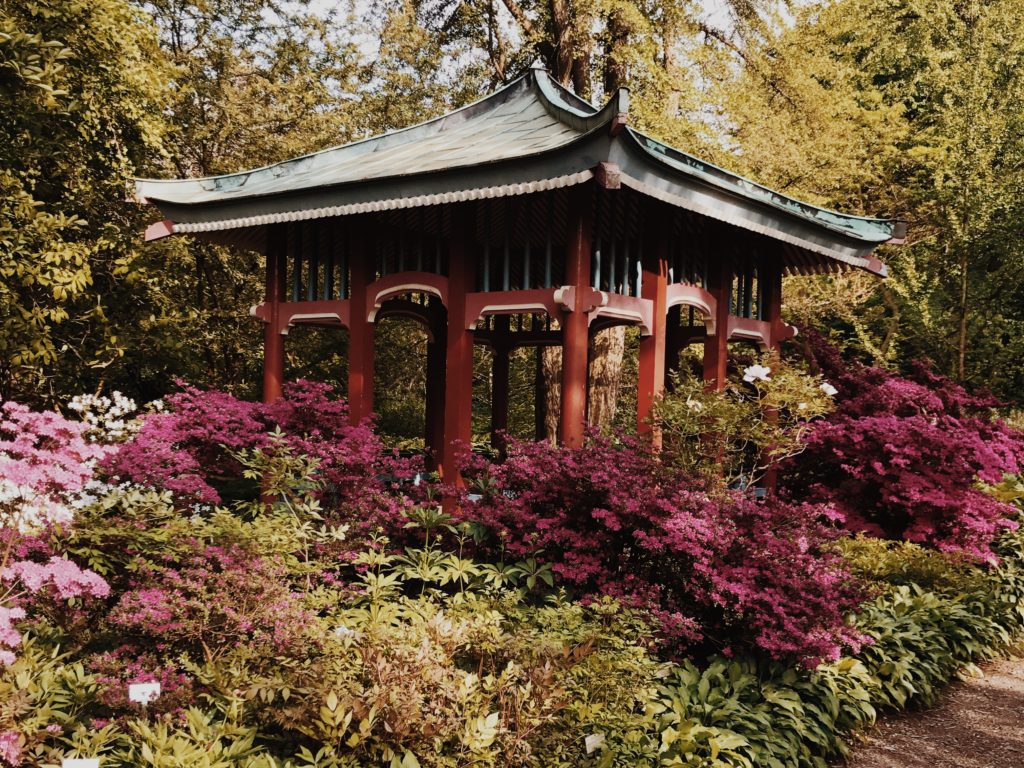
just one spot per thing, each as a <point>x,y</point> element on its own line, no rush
<point>908,108</point>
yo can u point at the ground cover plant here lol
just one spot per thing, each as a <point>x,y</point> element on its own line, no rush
<point>302,601</point>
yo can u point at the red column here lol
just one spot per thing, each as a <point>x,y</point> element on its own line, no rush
<point>436,349</point>
<point>360,332</point>
<point>771,275</point>
<point>651,379</point>
<point>273,341</point>
<point>458,385</point>
<point>771,292</point>
<point>499,380</point>
<point>716,347</point>
<point>575,325</point>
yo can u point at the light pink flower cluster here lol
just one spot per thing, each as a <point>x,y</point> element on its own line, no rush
<point>10,748</point>
<point>66,578</point>
<point>44,460</point>
<point>67,581</point>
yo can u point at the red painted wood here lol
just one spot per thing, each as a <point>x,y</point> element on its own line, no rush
<point>651,379</point>
<point>575,324</point>
<point>716,345</point>
<point>273,340</point>
<point>436,350</point>
<point>360,333</point>
<point>771,274</point>
<point>499,382</point>
<point>458,389</point>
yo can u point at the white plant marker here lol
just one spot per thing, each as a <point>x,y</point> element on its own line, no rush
<point>143,693</point>
<point>80,762</point>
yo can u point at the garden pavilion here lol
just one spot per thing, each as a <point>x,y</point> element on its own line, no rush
<point>529,218</point>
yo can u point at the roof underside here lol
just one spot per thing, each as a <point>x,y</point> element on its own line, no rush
<point>531,136</point>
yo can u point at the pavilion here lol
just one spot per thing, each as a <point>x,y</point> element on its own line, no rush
<point>527,218</point>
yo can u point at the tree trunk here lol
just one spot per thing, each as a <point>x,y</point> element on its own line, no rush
<point>551,359</point>
<point>607,349</point>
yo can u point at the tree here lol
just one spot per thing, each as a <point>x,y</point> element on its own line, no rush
<point>81,89</point>
<point>913,109</point>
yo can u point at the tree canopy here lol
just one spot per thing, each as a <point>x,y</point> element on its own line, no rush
<point>910,108</point>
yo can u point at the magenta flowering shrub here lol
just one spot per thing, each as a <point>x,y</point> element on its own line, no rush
<point>117,669</point>
<point>211,600</point>
<point>901,458</point>
<point>717,572</point>
<point>188,448</point>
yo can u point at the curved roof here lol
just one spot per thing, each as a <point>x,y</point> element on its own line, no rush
<point>531,135</point>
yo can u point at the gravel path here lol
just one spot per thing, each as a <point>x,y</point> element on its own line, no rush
<point>978,723</point>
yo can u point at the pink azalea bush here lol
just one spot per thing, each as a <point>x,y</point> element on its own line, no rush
<point>213,599</point>
<point>45,459</point>
<point>188,448</point>
<point>724,572</point>
<point>901,457</point>
<point>45,462</point>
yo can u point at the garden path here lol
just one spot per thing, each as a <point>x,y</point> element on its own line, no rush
<point>978,723</point>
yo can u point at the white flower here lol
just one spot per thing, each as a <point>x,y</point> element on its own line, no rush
<point>756,373</point>
<point>828,389</point>
<point>694,405</point>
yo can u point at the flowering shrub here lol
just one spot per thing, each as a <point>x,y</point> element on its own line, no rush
<point>732,436</point>
<point>722,571</point>
<point>45,462</point>
<point>218,598</point>
<point>108,419</point>
<point>902,457</point>
<point>191,448</point>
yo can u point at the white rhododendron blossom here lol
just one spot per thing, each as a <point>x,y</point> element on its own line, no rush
<point>828,389</point>
<point>756,373</point>
<point>28,510</point>
<point>110,419</point>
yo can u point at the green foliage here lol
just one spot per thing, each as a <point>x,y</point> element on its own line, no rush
<point>733,435</point>
<point>911,109</point>
<point>901,563</point>
<point>81,88</point>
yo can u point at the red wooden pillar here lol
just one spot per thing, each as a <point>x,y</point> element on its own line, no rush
<point>360,332</point>
<point>771,293</point>
<point>651,379</point>
<point>273,341</point>
<point>458,385</point>
<point>436,348</point>
<point>716,347</point>
<point>575,325</point>
<point>499,381</point>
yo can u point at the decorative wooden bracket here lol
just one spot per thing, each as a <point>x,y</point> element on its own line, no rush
<point>399,283</point>
<point>330,312</point>
<point>159,229</point>
<point>608,175</point>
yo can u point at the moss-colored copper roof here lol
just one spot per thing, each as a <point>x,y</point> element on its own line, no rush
<point>531,135</point>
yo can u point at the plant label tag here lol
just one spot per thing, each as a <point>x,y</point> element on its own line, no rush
<point>80,762</point>
<point>143,693</point>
